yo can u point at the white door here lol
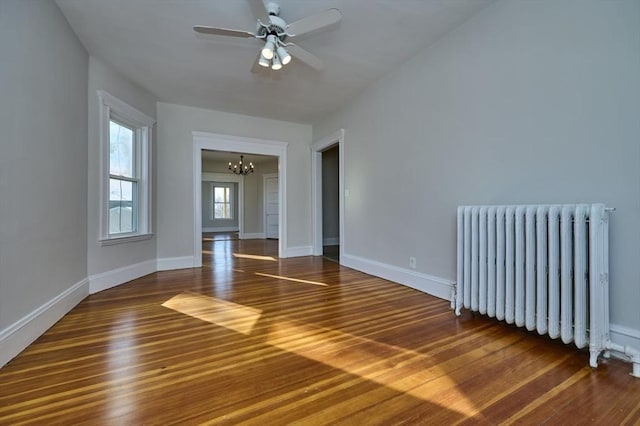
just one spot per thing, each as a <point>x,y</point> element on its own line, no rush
<point>271,207</point>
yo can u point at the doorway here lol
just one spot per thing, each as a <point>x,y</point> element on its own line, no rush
<point>218,142</point>
<point>318,148</point>
<point>330,204</point>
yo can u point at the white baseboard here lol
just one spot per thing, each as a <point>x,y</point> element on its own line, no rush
<point>171,263</point>
<point>252,236</point>
<point>298,251</point>
<point>624,336</point>
<point>108,279</point>
<point>331,241</point>
<point>435,286</point>
<point>15,338</point>
<point>220,229</point>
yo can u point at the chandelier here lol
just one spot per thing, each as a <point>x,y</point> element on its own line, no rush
<point>241,168</point>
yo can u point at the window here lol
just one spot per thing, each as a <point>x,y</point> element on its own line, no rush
<point>126,185</point>
<point>123,179</point>
<point>222,201</point>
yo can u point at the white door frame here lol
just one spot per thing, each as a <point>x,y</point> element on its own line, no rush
<point>220,142</point>
<point>228,177</point>
<point>316,188</point>
<point>264,200</point>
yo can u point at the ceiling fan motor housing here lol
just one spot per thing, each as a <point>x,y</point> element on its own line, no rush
<point>273,9</point>
<point>277,27</point>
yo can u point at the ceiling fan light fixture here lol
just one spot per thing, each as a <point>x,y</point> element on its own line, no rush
<point>263,62</point>
<point>284,55</point>
<point>275,63</point>
<point>269,47</point>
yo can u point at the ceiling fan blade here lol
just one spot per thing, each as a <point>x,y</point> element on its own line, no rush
<point>259,11</point>
<point>311,24</point>
<point>223,32</point>
<point>304,56</point>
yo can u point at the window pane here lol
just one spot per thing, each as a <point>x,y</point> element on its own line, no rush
<point>219,211</point>
<point>222,211</point>
<point>222,202</point>
<point>121,206</point>
<point>220,195</point>
<point>121,152</point>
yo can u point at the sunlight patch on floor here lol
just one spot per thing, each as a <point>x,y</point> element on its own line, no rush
<point>398,368</point>
<point>279,277</point>
<point>254,257</point>
<point>220,312</point>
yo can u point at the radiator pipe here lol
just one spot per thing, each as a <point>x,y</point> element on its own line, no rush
<point>630,352</point>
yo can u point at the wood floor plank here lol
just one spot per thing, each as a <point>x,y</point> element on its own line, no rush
<point>253,339</point>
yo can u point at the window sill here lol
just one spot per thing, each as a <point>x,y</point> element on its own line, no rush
<point>127,239</point>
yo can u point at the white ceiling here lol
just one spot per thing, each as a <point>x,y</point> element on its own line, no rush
<point>151,42</point>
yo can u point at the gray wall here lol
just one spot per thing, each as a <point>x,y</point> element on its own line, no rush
<point>43,160</point>
<point>527,102</point>
<point>330,194</point>
<point>107,258</point>
<point>175,171</point>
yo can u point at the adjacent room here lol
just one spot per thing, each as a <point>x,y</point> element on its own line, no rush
<point>320,212</point>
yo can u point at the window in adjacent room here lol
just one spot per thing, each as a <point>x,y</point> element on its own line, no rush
<point>126,180</point>
<point>222,201</point>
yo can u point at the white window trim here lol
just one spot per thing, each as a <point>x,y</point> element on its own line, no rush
<point>230,186</point>
<point>111,106</point>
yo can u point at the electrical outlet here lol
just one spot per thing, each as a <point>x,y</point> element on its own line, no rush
<point>412,262</point>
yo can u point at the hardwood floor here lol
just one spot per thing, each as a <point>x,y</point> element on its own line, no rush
<point>253,339</point>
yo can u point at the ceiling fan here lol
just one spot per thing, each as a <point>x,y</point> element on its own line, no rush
<point>278,36</point>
